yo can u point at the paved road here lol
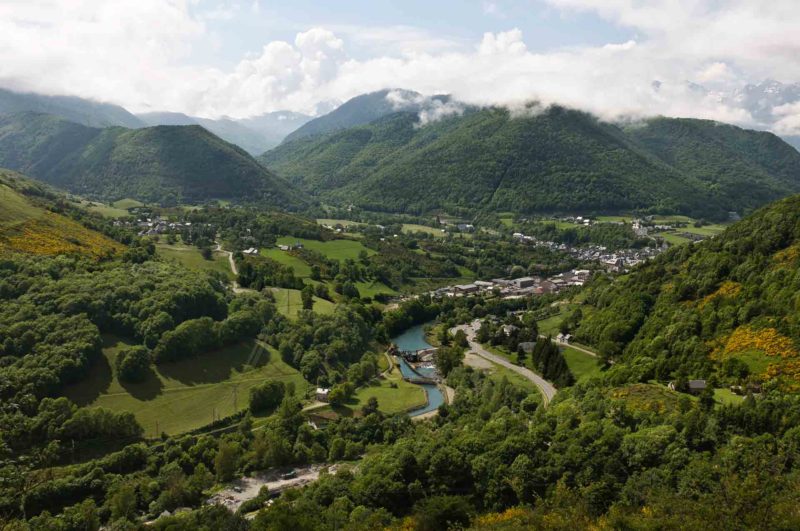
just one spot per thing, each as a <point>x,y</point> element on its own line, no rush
<point>546,388</point>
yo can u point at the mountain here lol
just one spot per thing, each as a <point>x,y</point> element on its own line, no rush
<point>166,164</point>
<point>82,111</point>
<point>554,160</point>
<point>725,307</point>
<point>34,222</point>
<point>254,135</point>
<point>766,102</point>
<point>360,110</point>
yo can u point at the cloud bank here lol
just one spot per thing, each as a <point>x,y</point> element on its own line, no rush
<point>134,52</point>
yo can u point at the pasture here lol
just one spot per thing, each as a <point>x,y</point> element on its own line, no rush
<point>184,395</point>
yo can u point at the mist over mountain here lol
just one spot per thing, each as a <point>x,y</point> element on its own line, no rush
<point>79,110</point>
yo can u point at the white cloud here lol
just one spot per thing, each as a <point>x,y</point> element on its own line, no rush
<point>89,49</point>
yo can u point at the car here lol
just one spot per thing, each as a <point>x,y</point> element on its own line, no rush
<point>289,475</point>
<point>237,489</point>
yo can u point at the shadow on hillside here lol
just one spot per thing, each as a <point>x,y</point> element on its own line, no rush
<point>149,388</point>
<point>93,385</point>
<point>216,366</point>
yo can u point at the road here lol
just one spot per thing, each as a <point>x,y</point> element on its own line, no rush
<point>546,388</point>
<point>573,346</point>
<point>236,287</point>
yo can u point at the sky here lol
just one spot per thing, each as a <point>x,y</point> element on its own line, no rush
<point>619,59</point>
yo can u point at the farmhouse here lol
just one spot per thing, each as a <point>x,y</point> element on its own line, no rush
<point>322,394</point>
<point>466,288</point>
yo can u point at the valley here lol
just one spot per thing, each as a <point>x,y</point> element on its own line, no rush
<point>486,322</point>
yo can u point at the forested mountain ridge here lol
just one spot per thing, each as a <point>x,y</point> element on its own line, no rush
<point>725,308</point>
<point>357,111</point>
<point>556,160</point>
<point>164,164</point>
<point>82,111</point>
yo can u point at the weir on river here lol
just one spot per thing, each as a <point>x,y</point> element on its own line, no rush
<point>413,339</point>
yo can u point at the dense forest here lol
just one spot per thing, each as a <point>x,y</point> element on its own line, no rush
<point>553,160</point>
<point>726,307</point>
<point>166,164</point>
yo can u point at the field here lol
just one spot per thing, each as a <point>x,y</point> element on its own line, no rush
<point>16,208</point>
<point>551,325</point>
<point>301,269</point>
<point>371,289</point>
<point>706,230</point>
<point>289,302</point>
<point>333,249</point>
<point>614,219</point>
<point>404,397</point>
<point>507,219</point>
<point>411,227</point>
<point>190,257</point>
<point>582,366</point>
<point>726,396</point>
<point>185,395</point>
<point>672,238</point>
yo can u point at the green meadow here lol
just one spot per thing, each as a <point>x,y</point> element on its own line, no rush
<point>188,394</point>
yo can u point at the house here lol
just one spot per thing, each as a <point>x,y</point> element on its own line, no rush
<point>322,394</point>
<point>466,288</point>
<point>563,338</point>
<point>524,282</point>
<point>466,227</point>
<point>697,386</point>
<point>694,387</point>
<point>251,251</point>
<point>527,346</point>
<point>510,329</point>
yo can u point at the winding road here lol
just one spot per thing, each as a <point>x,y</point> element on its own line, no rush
<point>236,287</point>
<point>546,388</point>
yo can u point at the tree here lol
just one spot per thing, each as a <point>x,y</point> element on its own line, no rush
<point>448,358</point>
<point>123,502</point>
<point>370,407</point>
<point>267,396</point>
<point>133,364</point>
<point>307,296</point>
<point>227,460</point>
<point>442,512</point>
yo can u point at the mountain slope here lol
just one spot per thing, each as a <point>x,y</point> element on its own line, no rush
<point>724,307</point>
<point>30,222</point>
<point>360,110</point>
<point>558,160</point>
<point>167,164</point>
<point>254,135</point>
<point>86,112</point>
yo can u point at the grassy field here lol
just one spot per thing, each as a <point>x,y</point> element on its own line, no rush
<point>726,396</point>
<point>370,289</point>
<point>16,209</point>
<point>672,238</point>
<point>706,230</point>
<point>411,227</point>
<point>301,269</point>
<point>289,302</point>
<point>333,249</point>
<point>550,325</point>
<point>582,366</point>
<point>190,257</point>
<point>127,203</point>
<point>394,395</point>
<point>188,394</point>
<point>506,218</point>
<point>614,219</point>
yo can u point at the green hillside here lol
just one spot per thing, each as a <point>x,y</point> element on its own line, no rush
<point>86,112</point>
<point>726,307</point>
<point>360,110</point>
<point>31,222</point>
<point>559,160</point>
<point>165,164</point>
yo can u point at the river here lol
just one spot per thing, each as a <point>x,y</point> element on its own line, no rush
<point>414,339</point>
